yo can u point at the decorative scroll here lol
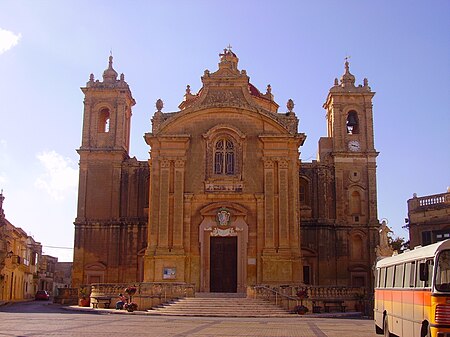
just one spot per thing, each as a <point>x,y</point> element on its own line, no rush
<point>222,97</point>
<point>231,231</point>
<point>224,187</point>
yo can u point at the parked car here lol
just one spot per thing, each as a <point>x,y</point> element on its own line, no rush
<point>42,295</point>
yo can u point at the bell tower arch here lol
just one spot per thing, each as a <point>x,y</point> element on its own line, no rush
<point>350,130</point>
<point>104,147</point>
<point>104,144</point>
<point>107,113</point>
<point>350,145</point>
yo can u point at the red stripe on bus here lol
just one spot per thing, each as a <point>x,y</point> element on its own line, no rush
<point>407,296</point>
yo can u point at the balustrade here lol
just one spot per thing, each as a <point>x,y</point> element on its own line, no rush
<point>148,294</point>
<point>286,296</point>
<point>430,200</point>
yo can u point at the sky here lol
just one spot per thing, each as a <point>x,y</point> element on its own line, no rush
<point>49,48</point>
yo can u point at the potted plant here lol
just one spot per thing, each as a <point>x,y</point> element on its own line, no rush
<point>301,309</point>
<point>131,306</point>
<point>131,290</point>
<point>83,296</point>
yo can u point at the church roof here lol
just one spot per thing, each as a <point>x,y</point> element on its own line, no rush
<point>228,76</point>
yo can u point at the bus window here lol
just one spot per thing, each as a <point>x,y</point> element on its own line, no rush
<point>430,265</point>
<point>419,283</point>
<point>407,283</point>
<point>390,277</point>
<point>398,281</point>
<point>426,273</point>
<point>443,271</point>
<point>413,273</point>
<point>382,278</point>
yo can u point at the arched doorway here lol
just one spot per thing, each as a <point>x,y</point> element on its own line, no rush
<point>223,236</point>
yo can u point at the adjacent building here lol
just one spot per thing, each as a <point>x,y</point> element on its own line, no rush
<point>429,218</point>
<point>19,261</point>
<point>224,200</point>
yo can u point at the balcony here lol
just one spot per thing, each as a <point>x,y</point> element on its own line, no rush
<point>429,201</point>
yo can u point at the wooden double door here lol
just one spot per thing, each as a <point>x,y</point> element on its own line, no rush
<point>223,264</point>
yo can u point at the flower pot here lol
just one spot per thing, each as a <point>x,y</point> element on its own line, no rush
<point>84,302</point>
<point>130,307</point>
<point>300,309</point>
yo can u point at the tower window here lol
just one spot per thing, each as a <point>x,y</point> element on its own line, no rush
<point>352,123</point>
<point>224,157</point>
<point>355,203</point>
<point>103,120</point>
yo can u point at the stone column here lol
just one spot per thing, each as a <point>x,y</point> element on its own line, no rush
<point>82,192</point>
<point>269,204</point>
<point>163,228</point>
<point>153,214</point>
<point>187,234</point>
<point>259,235</point>
<point>294,213</point>
<point>283,212</point>
<point>178,199</point>
<point>372,192</point>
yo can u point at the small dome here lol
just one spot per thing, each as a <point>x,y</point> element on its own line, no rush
<point>347,79</point>
<point>253,90</point>
<point>110,75</point>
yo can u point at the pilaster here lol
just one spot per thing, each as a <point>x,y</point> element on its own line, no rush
<point>178,199</point>
<point>269,205</point>
<point>163,228</point>
<point>283,204</point>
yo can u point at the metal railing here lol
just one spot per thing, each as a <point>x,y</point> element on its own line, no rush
<point>275,296</point>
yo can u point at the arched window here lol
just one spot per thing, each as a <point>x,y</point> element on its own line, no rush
<point>224,157</point>
<point>352,122</point>
<point>103,120</point>
<point>304,192</point>
<point>355,203</point>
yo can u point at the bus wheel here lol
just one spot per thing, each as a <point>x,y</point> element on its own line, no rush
<point>425,330</point>
<point>386,327</point>
<point>378,330</point>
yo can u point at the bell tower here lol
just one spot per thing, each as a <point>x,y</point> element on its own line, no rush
<point>350,129</point>
<point>107,113</point>
<point>350,153</point>
<point>104,145</point>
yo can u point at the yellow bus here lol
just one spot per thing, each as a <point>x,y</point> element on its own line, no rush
<point>412,293</point>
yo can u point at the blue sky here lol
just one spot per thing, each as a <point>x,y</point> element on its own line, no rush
<point>49,48</point>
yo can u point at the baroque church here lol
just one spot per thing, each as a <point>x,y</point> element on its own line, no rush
<point>224,201</point>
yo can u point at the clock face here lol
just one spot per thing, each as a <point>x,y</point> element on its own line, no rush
<point>354,146</point>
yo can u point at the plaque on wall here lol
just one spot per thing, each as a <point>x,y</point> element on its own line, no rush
<point>169,273</point>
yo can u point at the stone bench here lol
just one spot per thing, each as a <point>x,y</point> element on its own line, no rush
<point>105,300</point>
<point>334,304</point>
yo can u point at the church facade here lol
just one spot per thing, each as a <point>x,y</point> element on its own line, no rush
<point>224,201</point>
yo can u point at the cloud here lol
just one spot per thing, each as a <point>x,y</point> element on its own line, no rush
<point>60,178</point>
<point>8,40</point>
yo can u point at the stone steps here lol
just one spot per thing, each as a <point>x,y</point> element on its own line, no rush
<point>220,307</point>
